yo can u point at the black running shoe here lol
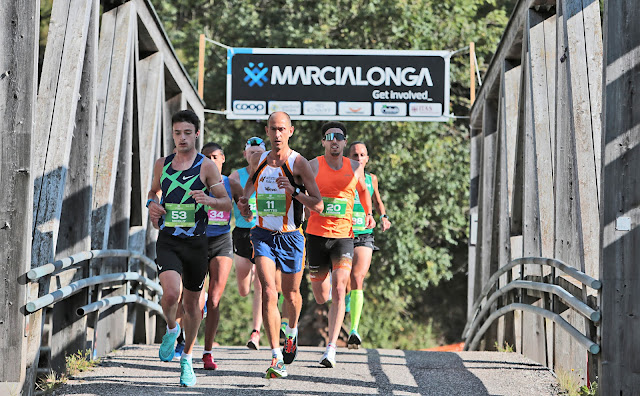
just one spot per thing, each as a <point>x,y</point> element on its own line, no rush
<point>290,349</point>
<point>354,340</point>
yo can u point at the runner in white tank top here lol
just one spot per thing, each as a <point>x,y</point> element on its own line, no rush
<point>276,238</point>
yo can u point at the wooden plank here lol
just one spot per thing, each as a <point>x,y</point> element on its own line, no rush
<point>473,283</point>
<point>171,106</point>
<point>586,146</point>
<point>114,62</point>
<point>151,22</point>
<point>568,246</point>
<point>619,371</point>
<point>68,330</point>
<point>512,77</point>
<point>19,35</point>
<point>533,336</point>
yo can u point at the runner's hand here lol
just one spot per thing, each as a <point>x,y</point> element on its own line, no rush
<point>155,212</point>
<point>200,197</point>
<point>386,224</point>
<point>370,222</point>
<point>283,182</point>
<point>245,210</point>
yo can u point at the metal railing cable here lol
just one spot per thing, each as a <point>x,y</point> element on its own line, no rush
<point>119,300</point>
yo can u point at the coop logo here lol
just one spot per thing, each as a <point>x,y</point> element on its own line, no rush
<point>249,107</point>
<point>256,74</point>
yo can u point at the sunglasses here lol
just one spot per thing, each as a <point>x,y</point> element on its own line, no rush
<point>255,141</point>
<point>337,136</point>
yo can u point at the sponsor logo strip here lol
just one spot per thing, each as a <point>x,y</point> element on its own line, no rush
<point>390,109</point>
<point>290,107</point>
<point>354,108</point>
<point>319,108</point>
<point>425,109</point>
<point>249,106</point>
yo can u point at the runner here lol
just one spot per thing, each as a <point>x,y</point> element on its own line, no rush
<point>183,178</point>
<point>363,243</point>
<point>278,244</point>
<point>220,254</point>
<point>245,268</point>
<point>330,234</point>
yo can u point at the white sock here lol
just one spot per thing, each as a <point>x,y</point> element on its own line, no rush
<point>184,356</point>
<point>330,346</point>
<point>276,353</point>
<point>289,332</point>
<point>174,330</point>
<point>205,352</point>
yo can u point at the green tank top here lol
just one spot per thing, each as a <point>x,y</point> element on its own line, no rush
<point>358,211</point>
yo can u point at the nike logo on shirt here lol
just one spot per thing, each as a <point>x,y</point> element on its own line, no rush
<point>185,178</point>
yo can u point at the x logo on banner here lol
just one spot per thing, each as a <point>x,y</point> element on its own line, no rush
<point>256,74</point>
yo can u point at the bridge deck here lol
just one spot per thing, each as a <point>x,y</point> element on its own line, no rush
<point>136,370</point>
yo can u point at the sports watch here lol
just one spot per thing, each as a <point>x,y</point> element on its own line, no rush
<point>296,192</point>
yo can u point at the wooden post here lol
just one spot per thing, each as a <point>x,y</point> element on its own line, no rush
<point>620,192</point>
<point>19,27</point>
<point>69,330</point>
<point>474,287</point>
<point>472,71</point>
<point>201,67</point>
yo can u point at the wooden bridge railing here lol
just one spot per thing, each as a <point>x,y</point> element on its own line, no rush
<point>78,146</point>
<point>555,153</point>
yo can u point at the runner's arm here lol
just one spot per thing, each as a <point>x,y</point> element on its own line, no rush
<point>213,181</point>
<point>363,192</point>
<point>377,203</point>
<point>236,189</point>
<point>155,209</point>
<point>313,199</point>
<point>249,189</point>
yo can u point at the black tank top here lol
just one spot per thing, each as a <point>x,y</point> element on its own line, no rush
<point>185,218</point>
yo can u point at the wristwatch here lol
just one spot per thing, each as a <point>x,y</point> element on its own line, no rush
<point>149,202</point>
<point>295,193</point>
<point>384,216</point>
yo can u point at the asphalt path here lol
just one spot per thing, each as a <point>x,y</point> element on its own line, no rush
<point>136,370</point>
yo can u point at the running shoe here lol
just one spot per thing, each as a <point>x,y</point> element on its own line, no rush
<point>290,349</point>
<point>254,340</point>
<point>277,369</point>
<point>329,358</point>
<point>347,303</point>
<point>209,364</point>
<point>166,351</point>
<point>178,350</point>
<point>354,341</point>
<point>187,376</point>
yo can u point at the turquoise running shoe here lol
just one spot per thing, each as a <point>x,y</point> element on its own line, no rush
<point>187,376</point>
<point>166,351</point>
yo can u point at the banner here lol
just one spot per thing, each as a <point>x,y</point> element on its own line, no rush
<point>345,85</point>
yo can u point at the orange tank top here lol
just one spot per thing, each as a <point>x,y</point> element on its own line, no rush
<point>338,190</point>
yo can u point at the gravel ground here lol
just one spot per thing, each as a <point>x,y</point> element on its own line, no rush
<point>136,370</point>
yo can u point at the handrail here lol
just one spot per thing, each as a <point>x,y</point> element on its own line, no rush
<point>118,300</point>
<point>592,347</point>
<point>75,287</point>
<point>576,274</point>
<point>567,297</point>
<point>39,272</point>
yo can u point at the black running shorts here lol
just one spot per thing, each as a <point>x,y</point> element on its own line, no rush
<point>242,242</point>
<point>220,246</point>
<point>186,256</point>
<point>327,254</point>
<point>365,240</point>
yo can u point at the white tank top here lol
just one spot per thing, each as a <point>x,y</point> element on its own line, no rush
<point>273,204</point>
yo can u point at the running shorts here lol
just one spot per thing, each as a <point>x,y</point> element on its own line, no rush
<point>220,246</point>
<point>186,256</point>
<point>365,240</point>
<point>242,242</point>
<point>286,249</point>
<point>328,254</point>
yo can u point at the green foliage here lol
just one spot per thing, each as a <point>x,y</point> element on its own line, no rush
<point>505,348</point>
<point>79,362</point>
<point>423,168</point>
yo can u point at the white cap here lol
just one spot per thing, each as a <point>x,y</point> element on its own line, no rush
<point>255,141</point>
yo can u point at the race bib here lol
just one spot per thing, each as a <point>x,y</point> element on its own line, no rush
<point>252,204</point>
<point>271,204</point>
<point>180,215</point>
<point>334,207</point>
<point>217,217</point>
<point>359,221</point>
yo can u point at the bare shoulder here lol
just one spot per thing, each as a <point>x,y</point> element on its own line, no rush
<point>374,178</point>
<point>313,164</point>
<point>234,176</point>
<point>354,164</point>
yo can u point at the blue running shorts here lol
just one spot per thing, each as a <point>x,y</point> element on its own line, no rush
<point>286,249</point>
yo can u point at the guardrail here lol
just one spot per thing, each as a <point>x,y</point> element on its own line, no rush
<point>484,303</point>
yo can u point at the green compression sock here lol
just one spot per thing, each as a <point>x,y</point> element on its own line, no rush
<point>357,301</point>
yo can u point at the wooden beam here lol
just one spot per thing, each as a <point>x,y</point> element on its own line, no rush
<point>620,196</point>
<point>474,286</point>
<point>116,48</point>
<point>19,35</point>
<point>68,333</point>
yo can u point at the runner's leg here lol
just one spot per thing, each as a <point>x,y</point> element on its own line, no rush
<point>339,278</point>
<point>219,269</point>
<point>361,263</point>
<point>171,282</point>
<point>266,269</point>
<point>192,318</point>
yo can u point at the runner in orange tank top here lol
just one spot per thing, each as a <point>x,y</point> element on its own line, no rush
<point>330,232</point>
